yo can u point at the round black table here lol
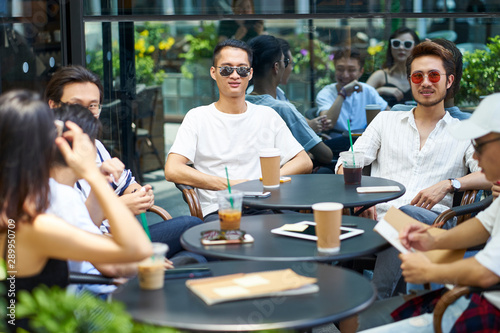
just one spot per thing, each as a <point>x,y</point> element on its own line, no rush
<point>305,190</point>
<point>271,247</point>
<point>342,293</point>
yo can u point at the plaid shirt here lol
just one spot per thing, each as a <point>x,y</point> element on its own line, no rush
<point>480,315</point>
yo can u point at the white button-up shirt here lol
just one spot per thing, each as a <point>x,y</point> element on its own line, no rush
<point>391,143</point>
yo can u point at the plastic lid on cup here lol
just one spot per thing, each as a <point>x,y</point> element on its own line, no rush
<point>372,107</point>
<point>269,152</point>
<point>327,206</point>
<point>160,248</point>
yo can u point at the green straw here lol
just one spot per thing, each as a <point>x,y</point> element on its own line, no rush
<point>350,140</point>
<point>229,188</point>
<point>144,222</point>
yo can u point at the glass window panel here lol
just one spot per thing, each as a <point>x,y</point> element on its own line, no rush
<point>30,49</point>
<point>265,7</point>
<point>177,55</point>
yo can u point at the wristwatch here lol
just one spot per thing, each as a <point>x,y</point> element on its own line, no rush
<point>455,183</point>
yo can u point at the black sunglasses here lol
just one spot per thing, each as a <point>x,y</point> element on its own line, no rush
<point>228,70</point>
<point>478,147</point>
<point>287,61</point>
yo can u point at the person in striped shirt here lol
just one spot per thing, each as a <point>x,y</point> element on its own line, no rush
<point>415,149</point>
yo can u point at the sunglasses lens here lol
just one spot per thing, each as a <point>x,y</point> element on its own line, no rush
<point>417,78</point>
<point>408,44</point>
<point>434,76</point>
<point>287,61</point>
<point>234,234</point>
<point>225,70</point>
<point>242,71</point>
<point>395,43</point>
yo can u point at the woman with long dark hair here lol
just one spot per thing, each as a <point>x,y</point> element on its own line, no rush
<point>391,81</point>
<point>36,245</point>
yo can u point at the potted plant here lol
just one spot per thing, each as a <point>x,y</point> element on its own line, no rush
<point>55,310</point>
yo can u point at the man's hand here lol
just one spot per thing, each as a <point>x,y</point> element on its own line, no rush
<point>416,236</point>
<point>112,167</point>
<point>168,264</point>
<point>415,267</point>
<point>320,124</point>
<point>352,87</point>
<point>430,196</point>
<point>139,201</point>
<point>495,189</point>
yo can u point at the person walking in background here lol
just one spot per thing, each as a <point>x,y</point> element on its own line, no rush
<point>391,81</point>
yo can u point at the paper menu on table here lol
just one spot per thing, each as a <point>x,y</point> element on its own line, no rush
<point>398,220</point>
<point>233,287</point>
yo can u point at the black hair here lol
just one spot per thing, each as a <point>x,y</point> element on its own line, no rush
<point>266,52</point>
<point>232,43</point>
<point>81,116</point>
<point>389,59</point>
<point>67,75</point>
<point>285,46</point>
<point>349,53</point>
<point>429,48</point>
<point>457,56</point>
<point>27,134</point>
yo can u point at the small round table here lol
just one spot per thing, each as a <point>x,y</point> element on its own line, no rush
<point>305,190</point>
<point>271,247</point>
<point>342,293</point>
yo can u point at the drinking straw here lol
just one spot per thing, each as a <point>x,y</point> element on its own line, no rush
<point>229,188</point>
<point>144,222</point>
<point>350,140</point>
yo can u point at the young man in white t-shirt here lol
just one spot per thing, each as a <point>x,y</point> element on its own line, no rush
<point>229,133</point>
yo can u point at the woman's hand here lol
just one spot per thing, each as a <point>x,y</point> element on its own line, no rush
<point>81,156</point>
<point>495,189</point>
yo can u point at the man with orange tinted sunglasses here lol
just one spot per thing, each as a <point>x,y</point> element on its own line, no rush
<point>415,149</point>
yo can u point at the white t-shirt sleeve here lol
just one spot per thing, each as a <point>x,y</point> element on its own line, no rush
<point>325,98</point>
<point>489,257</point>
<point>186,140</point>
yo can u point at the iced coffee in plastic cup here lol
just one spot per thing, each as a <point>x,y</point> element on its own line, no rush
<point>230,209</point>
<point>270,166</point>
<point>352,164</point>
<point>152,269</point>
